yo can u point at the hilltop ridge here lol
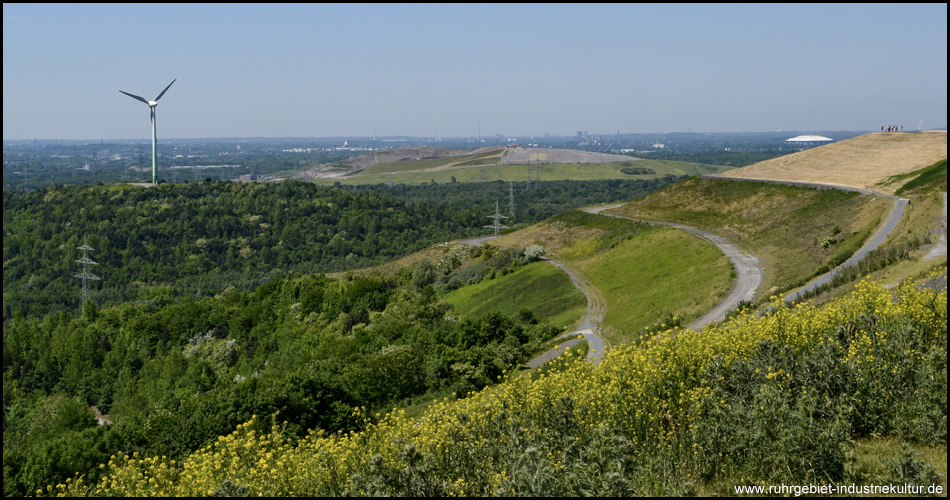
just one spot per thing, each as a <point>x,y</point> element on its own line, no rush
<point>863,162</point>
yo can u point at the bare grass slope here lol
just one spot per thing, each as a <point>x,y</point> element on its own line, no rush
<point>533,156</point>
<point>794,231</point>
<point>864,162</point>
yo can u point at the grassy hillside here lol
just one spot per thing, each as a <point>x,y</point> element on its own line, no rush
<point>440,171</point>
<point>867,161</point>
<point>646,273</point>
<point>906,253</point>
<point>796,232</point>
<point>779,399</point>
<point>923,177</point>
<point>799,396</point>
<point>482,158</point>
<point>539,287</point>
<point>652,275</point>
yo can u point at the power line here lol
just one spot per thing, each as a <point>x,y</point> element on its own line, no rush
<point>86,276</point>
<point>497,225</point>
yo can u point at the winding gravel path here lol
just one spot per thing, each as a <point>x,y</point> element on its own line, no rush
<point>882,233</point>
<point>589,326</point>
<point>590,322</point>
<point>749,274</point>
<point>939,248</point>
<point>879,236</point>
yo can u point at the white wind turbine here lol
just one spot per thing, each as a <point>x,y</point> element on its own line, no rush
<point>151,106</point>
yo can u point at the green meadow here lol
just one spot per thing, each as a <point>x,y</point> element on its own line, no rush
<point>539,287</point>
<point>425,171</point>
<point>925,176</point>
<point>644,272</point>
<point>651,274</point>
<point>796,232</point>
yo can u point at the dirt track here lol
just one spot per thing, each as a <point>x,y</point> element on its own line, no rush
<point>523,156</point>
<point>939,247</point>
<point>882,233</point>
<point>749,274</point>
<point>589,324</point>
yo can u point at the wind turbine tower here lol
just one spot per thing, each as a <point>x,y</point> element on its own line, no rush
<point>151,106</point>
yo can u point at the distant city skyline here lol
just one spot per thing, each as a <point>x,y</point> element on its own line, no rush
<point>434,70</point>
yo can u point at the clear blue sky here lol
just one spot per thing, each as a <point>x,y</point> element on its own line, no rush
<point>427,70</point>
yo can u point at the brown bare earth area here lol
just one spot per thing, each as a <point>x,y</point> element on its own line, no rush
<point>864,162</point>
<point>403,154</point>
<point>534,156</point>
<point>361,162</point>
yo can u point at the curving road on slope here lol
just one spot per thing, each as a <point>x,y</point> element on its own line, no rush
<point>897,211</point>
<point>749,274</point>
<point>589,325</point>
<point>939,247</point>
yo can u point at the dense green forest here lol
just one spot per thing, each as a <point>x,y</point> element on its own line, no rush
<point>213,309</point>
<point>534,201</point>
<point>199,238</point>
<point>174,375</point>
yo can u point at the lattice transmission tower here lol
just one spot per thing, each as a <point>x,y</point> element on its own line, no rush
<point>86,276</point>
<point>497,225</point>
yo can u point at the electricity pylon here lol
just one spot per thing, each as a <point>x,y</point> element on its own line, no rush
<point>86,276</point>
<point>497,225</point>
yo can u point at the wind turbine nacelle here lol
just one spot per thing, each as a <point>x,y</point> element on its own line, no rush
<point>152,104</point>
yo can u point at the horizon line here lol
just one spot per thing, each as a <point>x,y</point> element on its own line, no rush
<point>380,138</point>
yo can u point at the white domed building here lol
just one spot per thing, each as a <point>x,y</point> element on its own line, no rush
<point>809,139</point>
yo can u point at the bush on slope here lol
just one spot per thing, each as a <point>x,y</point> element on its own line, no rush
<point>753,400</point>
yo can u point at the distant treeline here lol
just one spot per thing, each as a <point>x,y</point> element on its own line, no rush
<point>730,158</point>
<point>534,201</point>
<point>199,238</point>
<point>27,170</point>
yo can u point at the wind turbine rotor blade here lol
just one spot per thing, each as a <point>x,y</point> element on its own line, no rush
<point>166,90</point>
<point>133,96</point>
